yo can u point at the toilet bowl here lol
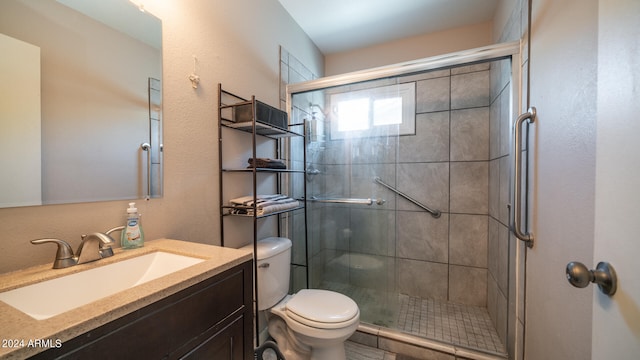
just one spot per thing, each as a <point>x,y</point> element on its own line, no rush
<point>311,324</point>
<point>318,323</point>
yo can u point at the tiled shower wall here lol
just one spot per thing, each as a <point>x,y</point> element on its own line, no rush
<point>445,165</point>
<point>448,157</point>
<point>499,185</point>
<point>457,162</point>
<point>293,71</point>
<point>506,290</point>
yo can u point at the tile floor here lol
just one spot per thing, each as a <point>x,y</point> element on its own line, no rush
<point>468,326</point>
<point>354,351</point>
<point>462,325</point>
<point>357,351</point>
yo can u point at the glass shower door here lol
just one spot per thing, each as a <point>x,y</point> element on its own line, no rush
<point>412,270</point>
<point>351,218</point>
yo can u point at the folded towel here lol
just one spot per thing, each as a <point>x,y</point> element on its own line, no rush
<point>265,204</point>
<point>266,163</point>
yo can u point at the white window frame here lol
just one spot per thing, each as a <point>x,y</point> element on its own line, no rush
<point>405,91</point>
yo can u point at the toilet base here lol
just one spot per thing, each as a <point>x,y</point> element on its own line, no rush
<point>288,344</point>
<point>296,346</point>
<point>335,352</point>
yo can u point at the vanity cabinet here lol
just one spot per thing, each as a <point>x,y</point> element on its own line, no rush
<point>212,319</point>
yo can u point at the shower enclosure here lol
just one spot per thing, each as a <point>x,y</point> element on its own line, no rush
<point>407,186</point>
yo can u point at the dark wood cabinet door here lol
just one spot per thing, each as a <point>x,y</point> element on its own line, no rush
<point>225,345</point>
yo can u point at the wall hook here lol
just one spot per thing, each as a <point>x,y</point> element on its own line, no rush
<point>195,79</point>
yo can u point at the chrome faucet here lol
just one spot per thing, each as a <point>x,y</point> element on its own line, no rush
<point>94,246</point>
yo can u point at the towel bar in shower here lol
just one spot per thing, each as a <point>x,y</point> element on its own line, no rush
<point>348,201</point>
<point>435,213</point>
<point>516,224</point>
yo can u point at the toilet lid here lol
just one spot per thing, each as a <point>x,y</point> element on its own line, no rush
<point>322,306</point>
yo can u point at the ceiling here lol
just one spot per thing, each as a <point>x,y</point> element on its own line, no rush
<point>342,25</point>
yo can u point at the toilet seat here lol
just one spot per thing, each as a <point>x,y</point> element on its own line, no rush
<point>322,309</point>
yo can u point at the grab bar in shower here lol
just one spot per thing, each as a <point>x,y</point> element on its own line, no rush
<point>435,213</point>
<point>516,224</point>
<point>347,201</point>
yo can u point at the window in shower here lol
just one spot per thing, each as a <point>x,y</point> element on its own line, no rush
<point>379,111</point>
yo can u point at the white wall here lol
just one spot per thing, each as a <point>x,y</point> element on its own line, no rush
<point>237,44</point>
<point>617,195</point>
<point>20,123</point>
<point>410,48</point>
<point>563,77</point>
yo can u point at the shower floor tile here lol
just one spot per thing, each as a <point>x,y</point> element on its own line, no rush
<point>357,351</point>
<point>354,351</point>
<point>462,325</point>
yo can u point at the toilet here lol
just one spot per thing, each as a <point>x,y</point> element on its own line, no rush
<point>311,324</point>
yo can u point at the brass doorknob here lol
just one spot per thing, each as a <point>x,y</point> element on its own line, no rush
<point>604,275</point>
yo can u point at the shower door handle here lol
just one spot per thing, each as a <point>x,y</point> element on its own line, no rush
<point>516,212</point>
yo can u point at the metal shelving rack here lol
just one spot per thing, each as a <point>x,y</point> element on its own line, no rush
<point>226,102</point>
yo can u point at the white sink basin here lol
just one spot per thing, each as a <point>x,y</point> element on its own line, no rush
<point>52,297</point>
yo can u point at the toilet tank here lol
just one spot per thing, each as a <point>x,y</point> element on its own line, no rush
<point>274,266</point>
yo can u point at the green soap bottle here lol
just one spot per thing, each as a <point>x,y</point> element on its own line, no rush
<point>132,235</point>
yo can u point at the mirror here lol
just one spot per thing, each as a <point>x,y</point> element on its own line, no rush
<point>79,95</point>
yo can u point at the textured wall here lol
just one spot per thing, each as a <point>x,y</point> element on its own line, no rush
<point>416,47</point>
<point>237,44</point>
<point>563,73</point>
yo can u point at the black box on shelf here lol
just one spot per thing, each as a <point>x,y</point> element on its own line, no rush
<point>264,113</point>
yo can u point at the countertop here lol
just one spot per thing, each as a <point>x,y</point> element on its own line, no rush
<point>22,336</point>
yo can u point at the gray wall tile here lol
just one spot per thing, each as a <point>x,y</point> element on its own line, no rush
<point>470,90</point>
<point>425,76</point>
<point>431,141</point>
<point>470,68</point>
<point>503,259</point>
<point>470,187</point>
<point>470,134</point>
<point>445,165</point>
<point>468,285</point>
<point>336,152</point>
<point>370,271</point>
<point>468,239</point>
<point>492,247</point>
<point>433,95</point>
<point>492,298</point>
<point>374,150</point>
<point>372,232</point>
<point>423,278</point>
<point>503,210</point>
<point>494,129</point>
<point>422,237</point>
<point>335,179</point>
<point>505,123</point>
<point>494,187</point>
<point>427,183</point>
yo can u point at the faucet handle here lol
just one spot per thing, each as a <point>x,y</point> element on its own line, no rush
<point>64,255</point>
